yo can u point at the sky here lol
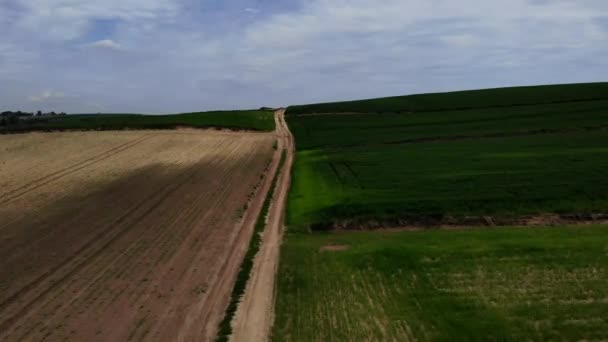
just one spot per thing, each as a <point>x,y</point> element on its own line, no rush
<point>169,56</point>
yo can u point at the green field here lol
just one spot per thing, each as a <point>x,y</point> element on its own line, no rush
<point>501,97</point>
<point>237,120</point>
<point>488,285</point>
<point>394,169</point>
<point>432,160</point>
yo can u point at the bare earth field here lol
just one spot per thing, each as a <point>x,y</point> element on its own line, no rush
<point>124,236</point>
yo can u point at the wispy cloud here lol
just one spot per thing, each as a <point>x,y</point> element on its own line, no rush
<point>187,55</point>
<point>105,44</point>
<point>69,19</point>
<point>47,95</point>
<point>252,10</point>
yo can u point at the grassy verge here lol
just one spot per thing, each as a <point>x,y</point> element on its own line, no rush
<point>485,284</point>
<point>225,328</point>
<point>236,120</point>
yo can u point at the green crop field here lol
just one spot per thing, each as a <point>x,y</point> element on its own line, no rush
<point>501,284</point>
<point>391,169</point>
<point>436,159</point>
<point>237,120</point>
<point>501,97</point>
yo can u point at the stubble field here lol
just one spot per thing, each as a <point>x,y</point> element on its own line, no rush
<point>124,235</point>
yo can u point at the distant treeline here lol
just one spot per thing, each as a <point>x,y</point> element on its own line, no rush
<point>9,118</point>
<point>256,120</point>
<point>26,114</point>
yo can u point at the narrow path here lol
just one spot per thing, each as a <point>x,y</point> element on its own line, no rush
<point>255,314</point>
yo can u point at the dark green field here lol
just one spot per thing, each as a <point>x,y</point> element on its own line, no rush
<point>501,97</point>
<point>237,120</point>
<point>393,169</point>
<point>507,284</point>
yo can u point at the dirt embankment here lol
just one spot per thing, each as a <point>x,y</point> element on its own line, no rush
<point>255,314</point>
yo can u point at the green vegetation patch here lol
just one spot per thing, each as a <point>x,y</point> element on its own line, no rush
<point>236,120</point>
<point>489,284</point>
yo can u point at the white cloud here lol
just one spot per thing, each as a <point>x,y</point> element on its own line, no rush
<point>181,57</point>
<point>105,44</point>
<point>461,40</point>
<point>69,19</point>
<point>46,96</point>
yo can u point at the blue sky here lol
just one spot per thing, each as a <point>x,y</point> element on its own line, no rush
<point>163,56</point>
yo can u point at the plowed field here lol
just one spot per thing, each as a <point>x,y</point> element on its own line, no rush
<point>121,236</point>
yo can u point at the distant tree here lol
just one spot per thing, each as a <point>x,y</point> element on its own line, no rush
<point>39,113</point>
<point>53,113</point>
<point>62,113</point>
<point>3,121</point>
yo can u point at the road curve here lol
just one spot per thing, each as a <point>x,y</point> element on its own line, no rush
<point>255,314</point>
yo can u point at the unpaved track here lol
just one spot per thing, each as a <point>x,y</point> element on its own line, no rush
<point>255,314</point>
<point>118,236</point>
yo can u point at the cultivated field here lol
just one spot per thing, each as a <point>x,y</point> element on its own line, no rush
<point>503,162</point>
<point>521,156</point>
<point>121,236</point>
<point>470,99</point>
<point>511,284</point>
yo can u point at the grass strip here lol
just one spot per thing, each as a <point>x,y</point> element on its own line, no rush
<point>225,328</point>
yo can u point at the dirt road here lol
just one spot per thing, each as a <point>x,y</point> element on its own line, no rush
<point>255,314</point>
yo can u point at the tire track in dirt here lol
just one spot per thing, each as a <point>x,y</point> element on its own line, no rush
<point>217,299</point>
<point>157,201</point>
<point>93,243</point>
<point>134,278</point>
<point>10,196</point>
<point>255,315</point>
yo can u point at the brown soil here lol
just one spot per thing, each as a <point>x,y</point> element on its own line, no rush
<point>450,222</point>
<point>118,236</point>
<point>336,114</point>
<point>255,314</point>
<point>543,220</point>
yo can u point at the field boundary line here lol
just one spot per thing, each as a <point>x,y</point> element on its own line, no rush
<point>255,314</point>
<point>465,223</point>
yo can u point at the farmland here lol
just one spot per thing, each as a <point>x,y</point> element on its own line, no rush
<point>422,177</point>
<point>258,120</point>
<point>125,235</point>
<point>461,100</point>
<point>504,162</point>
<point>497,284</point>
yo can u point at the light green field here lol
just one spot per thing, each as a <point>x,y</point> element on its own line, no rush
<point>502,284</point>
